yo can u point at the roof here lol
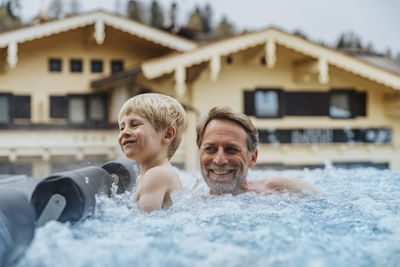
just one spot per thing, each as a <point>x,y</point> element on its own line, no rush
<point>379,60</point>
<point>100,18</point>
<point>154,68</point>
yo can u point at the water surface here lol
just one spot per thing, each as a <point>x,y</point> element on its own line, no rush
<point>355,223</point>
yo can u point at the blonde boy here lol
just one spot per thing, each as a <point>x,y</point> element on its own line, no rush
<point>151,128</point>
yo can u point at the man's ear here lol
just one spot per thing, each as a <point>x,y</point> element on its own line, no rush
<point>253,159</point>
<point>169,134</point>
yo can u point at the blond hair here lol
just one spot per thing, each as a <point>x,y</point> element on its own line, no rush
<point>161,111</point>
<point>227,113</point>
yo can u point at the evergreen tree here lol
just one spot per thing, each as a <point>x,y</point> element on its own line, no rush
<point>300,33</point>
<point>349,40</point>
<point>206,19</point>
<point>13,8</point>
<point>172,13</point>
<point>398,58</point>
<point>195,21</point>
<point>134,10</point>
<point>9,11</point>
<point>156,15</point>
<point>225,28</point>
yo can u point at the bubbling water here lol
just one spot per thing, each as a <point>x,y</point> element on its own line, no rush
<point>354,223</point>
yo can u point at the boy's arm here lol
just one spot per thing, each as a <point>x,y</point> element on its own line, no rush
<point>291,185</point>
<point>156,183</point>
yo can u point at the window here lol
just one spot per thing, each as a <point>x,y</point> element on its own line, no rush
<point>14,107</point>
<point>97,110</point>
<point>4,108</point>
<point>58,107</point>
<point>117,66</point>
<point>22,107</point>
<point>11,168</point>
<point>275,103</point>
<point>347,103</point>
<point>87,109</point>
<point>97,66</point>
<point>266,103</point>
<point>307,103</point>
<point>55,65</point>
<point>77,109</point>
<point>75,65</point>
<point>339,105</point>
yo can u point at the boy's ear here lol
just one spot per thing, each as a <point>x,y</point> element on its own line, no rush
<point>169,134</point>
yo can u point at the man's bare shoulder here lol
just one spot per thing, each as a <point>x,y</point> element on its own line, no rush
<point>282,184</point>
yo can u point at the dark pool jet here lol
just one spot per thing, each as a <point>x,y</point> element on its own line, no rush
<point>17,225</point>
<point>124,173</point>
<point>70,196</point>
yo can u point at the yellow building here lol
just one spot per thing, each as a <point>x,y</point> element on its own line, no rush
<point>50,117</point>
<point>63,82</point>
<point>311,103</point>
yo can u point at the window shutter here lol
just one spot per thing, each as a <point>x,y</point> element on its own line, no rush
<point>248,97</point>
<point>21,107</point>
<point>58,107</point>
<point>362,104</point>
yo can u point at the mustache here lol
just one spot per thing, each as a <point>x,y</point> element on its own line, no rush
<point>220,167</point>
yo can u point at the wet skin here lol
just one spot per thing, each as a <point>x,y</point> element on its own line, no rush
<point>224,157</point>
<point>138,138</point>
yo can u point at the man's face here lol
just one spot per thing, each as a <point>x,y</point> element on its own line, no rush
<point>224,156</point>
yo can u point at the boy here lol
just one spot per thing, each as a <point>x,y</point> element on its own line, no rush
<point>151,128</point>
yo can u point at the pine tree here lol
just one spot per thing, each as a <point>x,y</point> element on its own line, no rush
<point>13,8</point>
<point>206,19</point>
<point>134,10</point>
<point>9,15</point>
<point>195,20</point>
<point>349,40</point>
<point>225,28</point>
<point>172,13</point>
<point>156,15</point>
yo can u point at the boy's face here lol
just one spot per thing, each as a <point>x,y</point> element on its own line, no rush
<point>138,138</point>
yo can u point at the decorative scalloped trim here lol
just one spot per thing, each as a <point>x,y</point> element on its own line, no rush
<point>155,68</point>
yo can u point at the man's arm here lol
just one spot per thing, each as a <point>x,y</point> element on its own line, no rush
<point>291,185</point>
<point>156,183</point>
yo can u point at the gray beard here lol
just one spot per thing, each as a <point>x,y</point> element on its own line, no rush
<point>225,188</point>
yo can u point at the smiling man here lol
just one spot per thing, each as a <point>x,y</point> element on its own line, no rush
<point>227,141</point>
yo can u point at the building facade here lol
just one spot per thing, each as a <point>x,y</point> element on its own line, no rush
<point>51,119</point>
<point>62,84</point>
<point>312,104</point>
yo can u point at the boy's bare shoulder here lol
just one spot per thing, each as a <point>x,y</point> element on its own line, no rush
<point>161,175</point>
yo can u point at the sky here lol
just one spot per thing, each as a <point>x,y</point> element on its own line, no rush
<point>374,21</point>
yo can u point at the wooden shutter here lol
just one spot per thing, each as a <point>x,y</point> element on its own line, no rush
<point>21,107</point>
<point>248,97</point>
<point>58,107</point>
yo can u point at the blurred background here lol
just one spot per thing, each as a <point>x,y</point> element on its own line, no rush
<point>320,79</point>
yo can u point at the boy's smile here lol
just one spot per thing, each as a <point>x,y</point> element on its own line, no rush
<point>138,138</point>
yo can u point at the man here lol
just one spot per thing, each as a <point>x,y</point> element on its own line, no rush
<point>227,141</point>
